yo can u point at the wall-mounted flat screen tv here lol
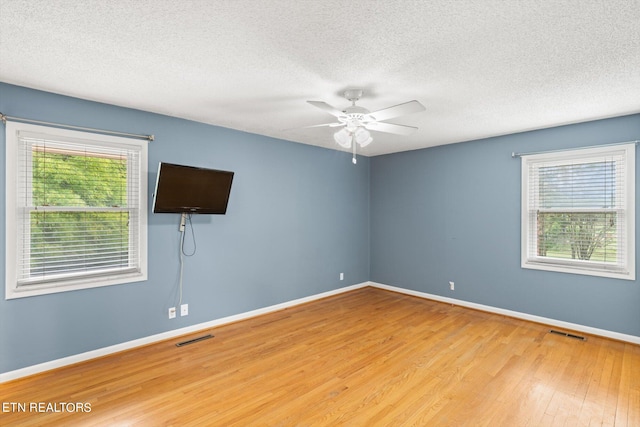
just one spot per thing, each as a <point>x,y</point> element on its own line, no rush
<point>190,189</point>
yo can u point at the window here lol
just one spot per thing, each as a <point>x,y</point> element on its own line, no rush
<point>76,210</point>
<point>578,211</point>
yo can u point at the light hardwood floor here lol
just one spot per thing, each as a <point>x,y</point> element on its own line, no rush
<point>364,358</point>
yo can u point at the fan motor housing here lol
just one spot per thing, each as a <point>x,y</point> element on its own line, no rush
<point>355,110</point>
<point>355,117</point>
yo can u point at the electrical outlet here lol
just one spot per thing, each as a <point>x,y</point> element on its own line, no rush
<point>451,286</point>
<point>172,313</point>
<point>184,310</point>
<point>341,276</point>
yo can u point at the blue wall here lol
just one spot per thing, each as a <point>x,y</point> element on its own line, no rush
<point>452,213</point>
<point>298,216</point>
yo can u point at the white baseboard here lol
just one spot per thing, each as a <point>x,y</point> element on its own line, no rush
<point>76,358</point>
<point>69,360</point>
<point>524,316</point>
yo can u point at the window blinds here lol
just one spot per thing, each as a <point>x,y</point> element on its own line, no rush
<point>78,209</point>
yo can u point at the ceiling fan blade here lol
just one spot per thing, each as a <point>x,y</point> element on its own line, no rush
<point>328,108</point>
<point>396,111</point>
<point>331,125</point>
<point>390,128</point>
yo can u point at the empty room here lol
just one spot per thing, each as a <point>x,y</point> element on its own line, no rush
<point>279,213</point>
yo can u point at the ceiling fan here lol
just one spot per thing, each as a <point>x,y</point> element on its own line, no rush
<point>356,122</point>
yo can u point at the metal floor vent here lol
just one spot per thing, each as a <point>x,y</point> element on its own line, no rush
<point>567,334</point>
<point>195,340</point>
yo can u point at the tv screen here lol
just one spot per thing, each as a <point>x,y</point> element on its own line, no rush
<point>191,189</point>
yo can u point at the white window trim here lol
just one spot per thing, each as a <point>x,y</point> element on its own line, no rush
<point>12,290</point>
<point>577,266</point>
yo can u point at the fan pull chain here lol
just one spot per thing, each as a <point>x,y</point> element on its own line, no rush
<point>353,142</point>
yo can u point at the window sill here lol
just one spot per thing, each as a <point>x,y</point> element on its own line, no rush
<point>547,266</point>
<point>86,283</point>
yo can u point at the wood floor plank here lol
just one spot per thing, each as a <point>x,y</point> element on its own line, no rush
<point>365,358</point>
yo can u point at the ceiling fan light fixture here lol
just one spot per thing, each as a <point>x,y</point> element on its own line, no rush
<point>357,121</point>
<point>343,137</point>
<point>362,137</point>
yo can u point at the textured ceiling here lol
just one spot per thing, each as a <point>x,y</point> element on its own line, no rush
<point>481,68</point>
